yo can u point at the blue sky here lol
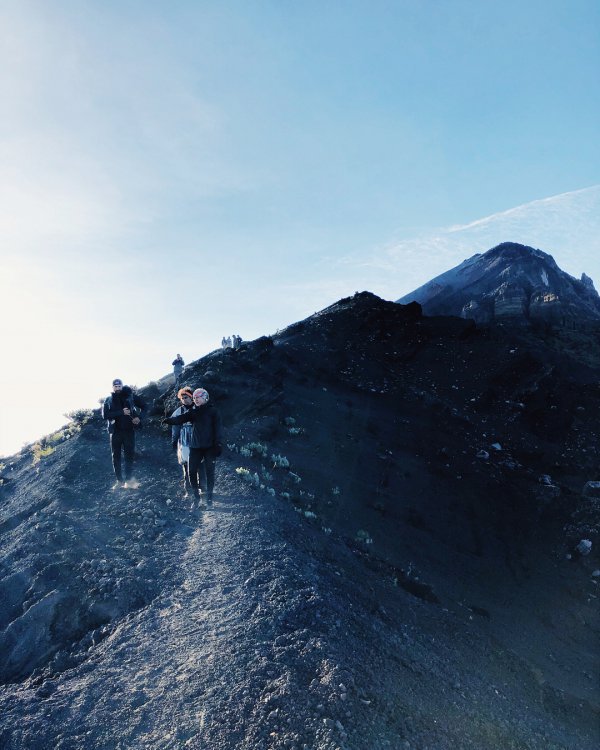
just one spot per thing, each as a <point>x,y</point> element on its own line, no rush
<point>171,172</point>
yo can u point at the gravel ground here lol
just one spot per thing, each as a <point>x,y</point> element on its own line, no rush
<point>251,628</point>
<point>388,588</point>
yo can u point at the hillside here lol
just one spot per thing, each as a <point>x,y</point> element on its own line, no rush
<point>395,564</point>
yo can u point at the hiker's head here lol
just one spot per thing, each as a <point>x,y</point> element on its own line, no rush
<point>117,385</point>
<point>185,395</point>
<point>200,397</point>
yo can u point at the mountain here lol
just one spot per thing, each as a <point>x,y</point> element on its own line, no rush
<point>510,283</point>
<point>395,556</point>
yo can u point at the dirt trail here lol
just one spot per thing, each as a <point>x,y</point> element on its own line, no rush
<point>263,637</point>
<point>194,666</point>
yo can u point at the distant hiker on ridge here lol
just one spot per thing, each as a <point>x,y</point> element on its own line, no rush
<point>178,364</point>
<point>180,440</point>
<point>122,410</point>
<point>205,442</point>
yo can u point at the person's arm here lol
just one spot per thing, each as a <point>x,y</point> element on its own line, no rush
<point>181,419</point>
<point>175,429</point>
<point>136,408</point>
<point>108,413</point>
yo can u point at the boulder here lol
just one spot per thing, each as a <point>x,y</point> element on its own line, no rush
<point>591,489</point>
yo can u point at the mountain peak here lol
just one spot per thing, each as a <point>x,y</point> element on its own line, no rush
<point>586,281</point>
<point>510,283</point>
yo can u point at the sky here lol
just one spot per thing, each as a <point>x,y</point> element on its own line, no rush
<point>174,172</point>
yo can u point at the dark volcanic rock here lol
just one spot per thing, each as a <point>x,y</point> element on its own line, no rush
<point>510,283</point>
<point>391,559</point>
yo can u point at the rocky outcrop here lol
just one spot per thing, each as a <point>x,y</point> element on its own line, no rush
<point>511,283</point>
<point>510,301</point>
<point>587,282</point>
<point>547,307</point>
<point>481,311</point>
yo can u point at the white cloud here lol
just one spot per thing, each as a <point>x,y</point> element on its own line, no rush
<point>566,226</point>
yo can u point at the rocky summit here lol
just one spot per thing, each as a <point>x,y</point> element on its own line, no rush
<point>403,551</point>
<point>513,284</point>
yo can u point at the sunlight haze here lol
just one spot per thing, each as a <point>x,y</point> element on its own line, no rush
<point>174,172</point>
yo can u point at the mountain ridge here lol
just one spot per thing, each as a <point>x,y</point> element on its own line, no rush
<point>510,283</point>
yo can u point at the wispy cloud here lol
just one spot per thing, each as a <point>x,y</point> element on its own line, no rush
<point>566,226</point>
<point>571,206</point>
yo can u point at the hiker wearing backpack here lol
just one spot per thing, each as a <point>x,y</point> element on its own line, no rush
<point>205,441</point>
<point>123,410</point>
<point>180,439</point>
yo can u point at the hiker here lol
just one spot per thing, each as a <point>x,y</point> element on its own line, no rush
<point>178,364</point>
<point>122,410</point>
<point>224,343</point>
<point>180,440</point>
<point>205,441</point>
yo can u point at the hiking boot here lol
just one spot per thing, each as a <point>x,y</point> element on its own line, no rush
<point>131,484</point>
<point>118,485</point>
<point>209,499</point>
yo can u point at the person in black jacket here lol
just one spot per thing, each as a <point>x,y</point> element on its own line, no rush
<point>122,410</point>
<point>205,441</point>
<point>180,440</point>
<point>178,365</point>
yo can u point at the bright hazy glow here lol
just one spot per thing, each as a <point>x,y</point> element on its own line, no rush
<point>174,172</point>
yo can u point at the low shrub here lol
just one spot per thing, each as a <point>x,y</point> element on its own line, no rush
<point>41,450</point>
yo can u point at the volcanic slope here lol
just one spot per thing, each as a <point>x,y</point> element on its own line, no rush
<point>511,283</point>
<point>385,565</point>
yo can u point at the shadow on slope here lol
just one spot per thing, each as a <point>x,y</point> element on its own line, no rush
<point>448,460</point>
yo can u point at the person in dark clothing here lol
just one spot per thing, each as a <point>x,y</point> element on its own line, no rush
<point>205,441</point>
<point>178,365</point>
<point>180,440</point>
<point>122,410</point>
